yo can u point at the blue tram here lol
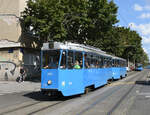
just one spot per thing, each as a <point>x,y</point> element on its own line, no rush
<point>118,68</point>
<point>70,68</point>
<point>138,67</point>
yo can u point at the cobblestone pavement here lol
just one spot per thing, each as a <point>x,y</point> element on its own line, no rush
<point>7,87</point>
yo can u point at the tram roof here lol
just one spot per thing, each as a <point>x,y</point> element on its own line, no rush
<point>77,47</point>
<point>73,46</point>
<point>115,57</point>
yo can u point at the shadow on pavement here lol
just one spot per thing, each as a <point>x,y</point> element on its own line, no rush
<point>38,79</point>
<point>38,96</point>
<point>142,82</point>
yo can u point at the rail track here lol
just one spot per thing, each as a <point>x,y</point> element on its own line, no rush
<point>33,107</point>
<point>121,86</point>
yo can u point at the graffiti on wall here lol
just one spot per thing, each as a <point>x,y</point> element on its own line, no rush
<point>10,71</point>
<point>8,68</point>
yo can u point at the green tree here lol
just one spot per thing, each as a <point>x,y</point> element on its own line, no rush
<point>102,15</point>
<point>44,18</point>
<point>76,20</point>
<point>83,21</point>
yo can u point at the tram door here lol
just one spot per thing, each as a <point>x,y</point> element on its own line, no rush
<point>71,73</point>
<point>49,72</point>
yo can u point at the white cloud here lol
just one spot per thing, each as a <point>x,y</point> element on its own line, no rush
<point>145,45</point>
<point>138,7</point>
<point>145,40</point>
<point>144,29</point>
<point>145,50</point>
<point>145,15</point>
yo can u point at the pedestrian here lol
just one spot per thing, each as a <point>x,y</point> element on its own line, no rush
<point>77,66</point>
<point>22,73</point>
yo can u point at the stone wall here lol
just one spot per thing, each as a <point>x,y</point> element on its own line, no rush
<point>16,48</point>
<point>9,63</point>
<point>10,11</point>
<point>11,59</point>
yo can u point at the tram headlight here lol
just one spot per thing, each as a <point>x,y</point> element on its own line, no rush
<point>49,82</point>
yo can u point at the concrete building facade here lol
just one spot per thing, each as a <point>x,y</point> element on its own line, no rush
<point>16,48</point>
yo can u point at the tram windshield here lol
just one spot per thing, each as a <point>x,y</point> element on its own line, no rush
<point>50,59</point>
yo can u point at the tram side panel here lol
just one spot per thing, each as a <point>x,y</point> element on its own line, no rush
<point>71,82</point>
<point>96,77</point>
<point>116,72</point>
<point>123,71</point>
<point>49,79</point>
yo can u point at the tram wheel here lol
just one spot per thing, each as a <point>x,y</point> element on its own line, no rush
<point>109,81</point>
<point>87,89</point>
<point>121,77</point>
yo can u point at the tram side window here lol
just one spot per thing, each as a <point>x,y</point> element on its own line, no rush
<point>95,61</point>
<point>63,60</point>
<point>100,62</point>
<point>86,61</point>
<point>103,62</point>
<point>110,62</point>
<point>113,63</point>
<point>107,62</point>
<point>124,64</point>
<point>119,63</point>
<point>92,64</point>
<point>70,60</point>
<point>116,63</point>
<point>50,59</point>
<point>78,60</point>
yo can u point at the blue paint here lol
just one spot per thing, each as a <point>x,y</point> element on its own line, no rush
<point>123,71</point>
<point>74,81</point>
<point>139,68</point>
<point>71,81</point>
<point>49,74</point>
<point>116,72</point>
<point>96,77</point>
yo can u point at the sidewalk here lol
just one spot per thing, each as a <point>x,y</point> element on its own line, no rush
<point>15,87</point>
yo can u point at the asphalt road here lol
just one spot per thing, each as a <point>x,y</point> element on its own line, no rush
<point>128,96</point>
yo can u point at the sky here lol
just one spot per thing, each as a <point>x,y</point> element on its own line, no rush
<point>136,15</point>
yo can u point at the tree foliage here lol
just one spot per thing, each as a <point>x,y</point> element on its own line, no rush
<point>84,21</point>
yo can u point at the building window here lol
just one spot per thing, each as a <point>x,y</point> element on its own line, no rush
<point>11,50</point>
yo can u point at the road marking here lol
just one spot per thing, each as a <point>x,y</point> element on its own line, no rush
<point>5,93</point>
<point>121,83</point>
<point>147,96</point>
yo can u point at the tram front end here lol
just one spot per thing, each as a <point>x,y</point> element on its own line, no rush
<point>49,81</point>
<point>49,71</point>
